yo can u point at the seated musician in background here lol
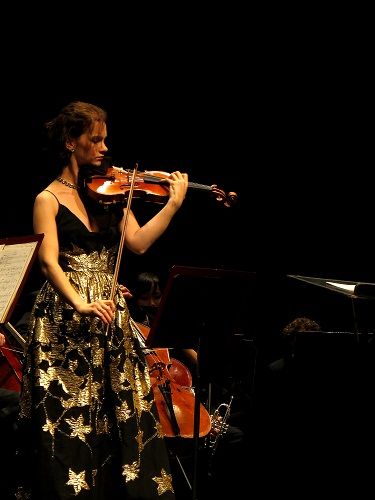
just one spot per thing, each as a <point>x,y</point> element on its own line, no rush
<point>295,410</point>
<point>277,381</point>
<point>297,325</point>
<point>146,296</point>
<point>225,440</point>
<point>313,403</point>
<point>9,407</point>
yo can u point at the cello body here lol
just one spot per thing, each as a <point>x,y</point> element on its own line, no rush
<point>175,402</point>
<point>174,396</point>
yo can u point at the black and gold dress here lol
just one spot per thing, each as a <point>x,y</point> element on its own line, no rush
<point>88,422</point>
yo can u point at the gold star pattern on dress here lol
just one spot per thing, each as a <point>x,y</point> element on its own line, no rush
<point>130,472</point>
<point>71,360</point>
<point>164,482</point>
<point>123,412</point>
<point>50,427</point>
<point>78,429</point>
<point>77,481</point>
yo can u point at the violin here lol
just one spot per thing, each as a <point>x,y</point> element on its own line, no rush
<point>175,401</point>
<point>113,186</point>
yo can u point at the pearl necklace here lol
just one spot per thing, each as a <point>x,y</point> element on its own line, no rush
<point>66,183</point>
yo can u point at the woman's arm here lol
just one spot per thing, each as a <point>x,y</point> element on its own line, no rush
<point>139,239</point>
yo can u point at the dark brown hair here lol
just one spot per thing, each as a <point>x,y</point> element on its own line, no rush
<point>301,325</point>
<point>146,283</point>
<point>73,120</point>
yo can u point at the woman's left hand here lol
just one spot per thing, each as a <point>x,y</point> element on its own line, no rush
<point>178,185</point>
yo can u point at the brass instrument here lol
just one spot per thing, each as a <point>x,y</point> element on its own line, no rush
<point>219,424</point>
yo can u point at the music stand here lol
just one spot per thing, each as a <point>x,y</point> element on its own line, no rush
<point>202,305</point>
<point>355,290</point>
<point>17,255</point>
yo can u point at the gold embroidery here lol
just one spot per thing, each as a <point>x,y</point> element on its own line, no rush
<point>130,472</point>
<point>98,353</point>
<point>102,425</point>
<point>69,356</point>
<point>139,440</point>
<point>77,481</point>
<point>159,430</point>
<point>119,378</point>
<point>78,428</point>
<point>73,365</point>
<point>164,482</point>
<point>50,427</point>
<point>124,412</point>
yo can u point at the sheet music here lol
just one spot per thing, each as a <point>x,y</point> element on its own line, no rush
<point>14,260</point>
<point>344,286</point>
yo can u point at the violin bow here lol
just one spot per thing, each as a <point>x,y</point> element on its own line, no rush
<point>122,239</point>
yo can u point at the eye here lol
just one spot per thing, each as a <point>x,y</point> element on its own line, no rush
<point>97,138</point>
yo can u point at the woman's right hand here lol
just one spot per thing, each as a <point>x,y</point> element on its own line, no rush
<point>103,309</point>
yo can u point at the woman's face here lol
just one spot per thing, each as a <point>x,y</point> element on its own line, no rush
<point>148,302</point>
<point>90,147</point>
<point>150,299</point>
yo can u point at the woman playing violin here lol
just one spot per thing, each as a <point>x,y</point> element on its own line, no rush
<point>87,393</point>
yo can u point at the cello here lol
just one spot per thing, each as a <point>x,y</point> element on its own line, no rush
<point>174,397</point>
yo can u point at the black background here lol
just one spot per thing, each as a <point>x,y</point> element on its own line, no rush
<point>286,124</point>
<point>276,105</point>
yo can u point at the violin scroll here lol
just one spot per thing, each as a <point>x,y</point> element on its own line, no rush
<point>227,199</point>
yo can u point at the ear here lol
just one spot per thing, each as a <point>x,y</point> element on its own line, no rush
<point>70,145</point>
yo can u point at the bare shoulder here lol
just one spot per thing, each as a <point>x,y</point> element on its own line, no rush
<point>46,199</point>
